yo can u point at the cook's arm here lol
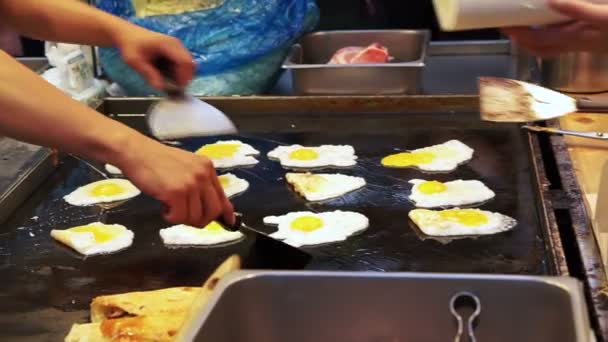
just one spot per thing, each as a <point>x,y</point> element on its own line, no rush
<point>35,111</point>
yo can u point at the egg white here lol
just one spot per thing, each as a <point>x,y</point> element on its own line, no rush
<point>244,156</point>
<point>183,235</point>
<point>458,193</point>
<point>83,196</point>
<point>329,156</point>
<point>337,226</point>
<point>84,242</point>
<point>323,186</point>
<point>431,224</point>
<point>113,170</point>
<point>235,185</point>
<point>449,156</point>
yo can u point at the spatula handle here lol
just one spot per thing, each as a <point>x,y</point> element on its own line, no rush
<point>167,69</point>
<point>595,104</point>
<point>165,66</point>
<point>238,221</point>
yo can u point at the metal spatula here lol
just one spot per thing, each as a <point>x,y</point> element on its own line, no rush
<point>268,252</point>
<point>506,100</point>
<point>181,115</point>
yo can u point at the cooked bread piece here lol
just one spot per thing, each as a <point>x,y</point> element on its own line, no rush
<point>158,302</point>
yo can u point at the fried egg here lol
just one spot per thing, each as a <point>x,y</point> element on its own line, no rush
<point>103,191</point>
<point>442,157</point>
<point>322,186</point>
<point>298,156</point>
<point>229,153</point>
<point>113,170</point>
<point>232,184</point>
<point>458,222</point>
<point>434,194</point>
<point>212,234</point>
<point>307,228</point>
<point>95,238</point>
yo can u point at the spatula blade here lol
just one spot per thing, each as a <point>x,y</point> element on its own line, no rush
<point>267,252</point>
<point>175,118</point>
<point>506,100</point>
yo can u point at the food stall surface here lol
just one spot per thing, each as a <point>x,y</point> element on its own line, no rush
<point>449,71</point>
<point>43,278</point>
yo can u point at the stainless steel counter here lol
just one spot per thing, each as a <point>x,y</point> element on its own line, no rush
<point>452,69</point>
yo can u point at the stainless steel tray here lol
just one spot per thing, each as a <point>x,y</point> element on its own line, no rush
<point>331,306</point>
<point>312,75</point>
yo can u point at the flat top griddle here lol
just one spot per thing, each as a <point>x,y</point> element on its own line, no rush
<point>46,287</point>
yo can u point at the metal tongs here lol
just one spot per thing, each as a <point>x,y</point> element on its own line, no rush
<point>590,135</point>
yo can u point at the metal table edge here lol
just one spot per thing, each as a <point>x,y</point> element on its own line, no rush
<point>595,277</point>
<point>554,239</point>
<point>316,104</point>
<point>470,47</point>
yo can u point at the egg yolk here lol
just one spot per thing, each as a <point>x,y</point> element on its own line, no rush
<point>467,217</point>
<point>224,181</point>
<point>101,233</point>
<point>211,228</point>
<point>432,187</point>
<point>304,154</point>
<point>408,159</point>
<point>218,151</point>
<point>106,189</point>
<point>214,226</point>
<point>307,223</point>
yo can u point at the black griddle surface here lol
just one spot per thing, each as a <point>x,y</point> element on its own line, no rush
<point>46,287</point>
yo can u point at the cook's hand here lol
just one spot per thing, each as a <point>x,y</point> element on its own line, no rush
<point>141,48</point>
<point>588,31</point>
<point>185,182</point>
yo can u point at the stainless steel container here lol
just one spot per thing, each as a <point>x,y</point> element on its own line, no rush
<point>311,75</point>
<point>578,72</point>
<point>339,306</point>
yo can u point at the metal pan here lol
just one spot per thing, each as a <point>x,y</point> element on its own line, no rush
<point>312,75</point>
<point>332,306</point>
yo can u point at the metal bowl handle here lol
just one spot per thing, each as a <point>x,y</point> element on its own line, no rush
<point>457,303</point>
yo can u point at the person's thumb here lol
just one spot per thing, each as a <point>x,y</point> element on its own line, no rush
<point>582,10</point>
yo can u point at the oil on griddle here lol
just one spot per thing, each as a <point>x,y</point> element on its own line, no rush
<point>45,287</point>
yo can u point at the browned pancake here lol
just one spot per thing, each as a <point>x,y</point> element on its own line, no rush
<point>175,300</point>
<point>147,316</point>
